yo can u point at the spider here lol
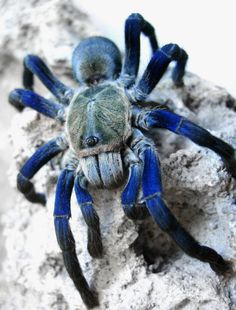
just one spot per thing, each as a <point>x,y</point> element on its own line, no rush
<point>106,122</point>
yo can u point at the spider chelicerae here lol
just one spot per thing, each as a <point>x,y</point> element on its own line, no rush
<point>106,121</point>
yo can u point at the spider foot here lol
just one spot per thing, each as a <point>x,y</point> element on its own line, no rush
<point>136,212</point>
<point>37,198</point>
<point>90,299</point>
<point>216,261</point>
<point>95,247</point>
<point>222,267</point>
<point>13,99</point>
<point>231,164</point>
<point>27,188</point>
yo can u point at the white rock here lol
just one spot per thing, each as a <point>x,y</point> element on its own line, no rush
<point>197,189</point>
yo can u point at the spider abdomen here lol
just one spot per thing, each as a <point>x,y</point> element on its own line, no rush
<point>104,169</point>
<point>96,59</point>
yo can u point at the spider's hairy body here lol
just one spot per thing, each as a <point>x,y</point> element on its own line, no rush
<point>106,121</point>
<point>102,112</point>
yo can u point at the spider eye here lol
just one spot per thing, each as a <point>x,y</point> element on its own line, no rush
<point>91,141</point>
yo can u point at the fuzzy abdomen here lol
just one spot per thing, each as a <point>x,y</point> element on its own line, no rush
<point>104,169</point>
<point>96,59</point>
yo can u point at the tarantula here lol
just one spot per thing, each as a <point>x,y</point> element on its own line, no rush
<point>106,123</point>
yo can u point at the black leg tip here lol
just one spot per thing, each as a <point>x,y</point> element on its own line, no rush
<point>178,83</point>
<point>14,99</point>
<point>91,299</point>
<point>37,198</point>
<point>139,212</point>
<point>96,251</point>
<point>222,267</point>
<point>95,247</point>
<point>42,199</point>
<point>27,188</point>
<point>231,165</point>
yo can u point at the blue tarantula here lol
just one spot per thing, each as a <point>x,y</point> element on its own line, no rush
<point>106,123</point>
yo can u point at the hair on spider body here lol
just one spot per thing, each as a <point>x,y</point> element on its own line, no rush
<point>102,112</point>
<point>96,60</point>
<point>106,123</point>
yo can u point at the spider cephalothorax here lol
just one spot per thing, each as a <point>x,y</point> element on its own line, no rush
<point>105,133</point>
<point>99,120</point>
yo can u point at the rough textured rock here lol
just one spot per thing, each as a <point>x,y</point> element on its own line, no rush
<point>142,267</point>
<point>50,28</point>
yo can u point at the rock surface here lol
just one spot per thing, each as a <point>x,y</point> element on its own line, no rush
<point>142,268</point>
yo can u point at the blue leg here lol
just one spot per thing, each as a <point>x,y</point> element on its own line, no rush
<point>130,194</point>
<point>34,65</point>
<point>30,99</point>
<point>66,240</point>
<point>32,166</point>
<point>152,191</point>
<point>91,218</point>
<point>179,125</point>
<point>134,26</point>
<point>157,67</point>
